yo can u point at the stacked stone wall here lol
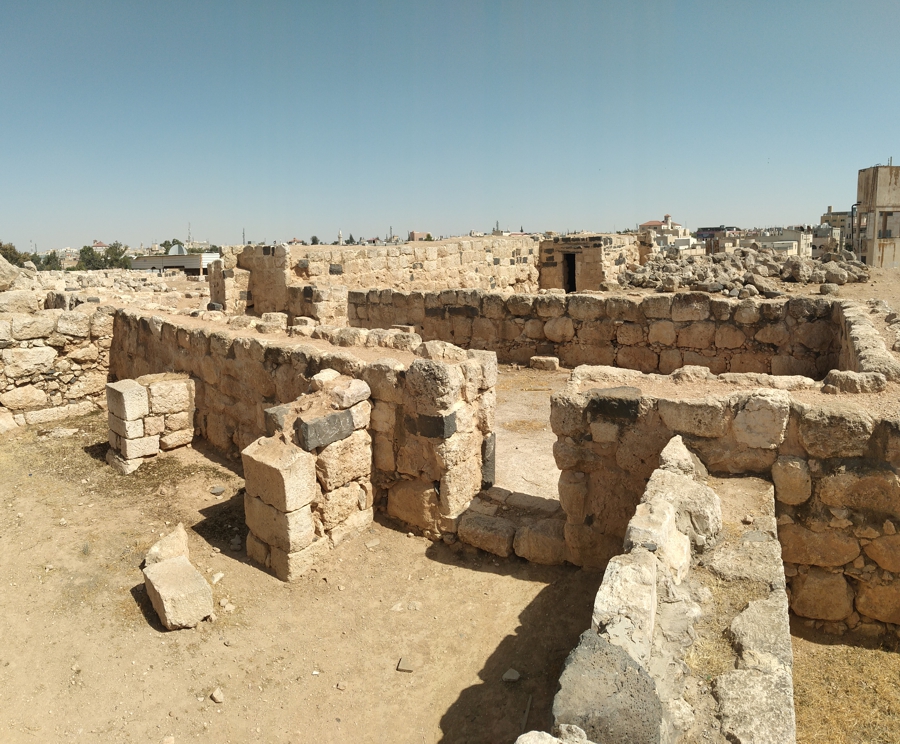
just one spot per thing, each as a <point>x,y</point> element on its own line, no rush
<point>53,363</point>
<point>833,465</point>
<point>431,424</point>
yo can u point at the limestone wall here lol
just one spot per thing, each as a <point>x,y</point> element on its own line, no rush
<point>465,262</point>
<point>656,333</point>
<point>53,363</point>
<point>598,259</point>
<point>431,424</point>
<point>833,466</point>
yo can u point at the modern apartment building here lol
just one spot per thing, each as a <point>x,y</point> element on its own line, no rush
<point>876,238</point>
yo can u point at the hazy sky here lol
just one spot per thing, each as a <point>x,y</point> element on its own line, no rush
<point>126,121</point>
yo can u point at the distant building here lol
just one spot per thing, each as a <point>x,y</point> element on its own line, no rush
<point>417,236</point>
<point>840,220</point>
<point>583,261</point>
<point>876,237</point>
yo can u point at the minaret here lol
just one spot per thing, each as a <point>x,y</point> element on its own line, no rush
<point>340,238</point>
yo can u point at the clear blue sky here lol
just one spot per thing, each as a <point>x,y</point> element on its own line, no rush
<point>125,121</point>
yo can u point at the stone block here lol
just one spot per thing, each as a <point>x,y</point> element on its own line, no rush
<point>127,429</point>
<point>880,601</point>
<point>662,332</point>
<point>690,306</point>
<point>143,447</point>
<point>834,431</point>
<point>153,425</point>
<point>345,460</point>
<point>120,464</point>
<point>542,542</point>
<point>434,385</point>
<point>698,509</point>
<point>75,324</point>
<point>699,335</point>
<point>547,363</point>
<point>170,546</point>
<point>877,490</point>
<point>22,398</point>
<point>488,460</point>
<point>793,484</point>
<point>174,439</point>
<point>127,400</point>
<point>413,502</point>
<point>821,595</point>
<point>885,551</point>
<point>279,473</point>
<point>354,524</point>
<point>289,532</point>
<point>608,695</point>
<point>653,527</point>
<point>347,393</point>
<point>257,550</point>
<point>20,363</point>
<point>763,629</point>
<point>559,330</point>
<point>291,566</point>
<point>171,396</point>
<point>617,404</point>
<point>335,506</point>
<point>491,534</point>
<point>179,421</point>
<point>756,706</point>
<point>762,420</point>
<point>178,592</point>
<point>321,431</point>
<point>707,417</point>
<point>830,548</point>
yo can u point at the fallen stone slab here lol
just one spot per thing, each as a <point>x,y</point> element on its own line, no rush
<point>171,546</point>
<point>491,534</point>
<point>178,592</point>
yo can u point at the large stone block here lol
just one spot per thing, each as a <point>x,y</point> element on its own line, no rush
<point>291,566</point>
<point>698,509</point>
<point>607,694</point>
<point>127,400</point>
<point>178,592</point>
<point>830,548</point>
<point>174,439</point>
<point>413,502</point>
<point>793,484</point>
<point>434,385</point>
<point>143,447</point>
<point>542,542</point>
<point>878,491</point>
<point>706,417</point>
<point>690,306</point>
<point>74,324</point>
<point>885,551</point>
<point>756,706</point>
<point>335,506</point>
<point>22,398</point>
<point>762,420</point>
<point>313,432</point>
<point>279,473</point>
<point>171,396</point>
<point>289,532</point>
<point>653,526</point>
<point>170,546</point>
<point>821,595</point>
<point>345,460</point>
<point>128,429</point>
<point>880,601</point>
<point>491,534</point>
<point>835,431</point>
<point>26,362</point>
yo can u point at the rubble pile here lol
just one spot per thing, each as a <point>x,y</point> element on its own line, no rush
<point>744,273</point>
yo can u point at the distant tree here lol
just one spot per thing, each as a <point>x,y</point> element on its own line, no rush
<point>169,243</point>
<point>521,229</point>
<point>350,240</point>
<point>51,262</point>
<point>89,259</point>
<point>9,252</point>
<point>35,259</point>
<point>314,240</point>
<point>197,249</point>
<point>115,258</point>
<point>428,237</point>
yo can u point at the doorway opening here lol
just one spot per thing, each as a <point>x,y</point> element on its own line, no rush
<point>569,272</point>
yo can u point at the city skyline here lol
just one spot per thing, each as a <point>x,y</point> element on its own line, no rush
<point>293,120</point>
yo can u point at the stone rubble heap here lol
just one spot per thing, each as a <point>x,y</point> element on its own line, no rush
<point>146,415</point>
<point>178,592</point>
<point>744,273</point>
<point>308,482</point>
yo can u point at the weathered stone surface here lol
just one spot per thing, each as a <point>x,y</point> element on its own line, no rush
<point>321,431</point>
<point>178,592</point>
<point>257,550</point>
<point>279,473</point>
<point>143,447</point>
<point>698,509</point>
<point>120,464</point>
<point>170,546</point>
<point>8,274</point>
<point>128,429</point>
<point>18,301</point>
<point>877,490</point>
<point>756,707</point>
<point>559,330</point>
<point>690,306</point>
<point>542,542</point>
<point>625,605</point>
<point>335,506</point>
<point>127,399</point>
<point>607,694</point>
<point>355,523</point>
<point>835,431</point>
<point>885,551</point>
<point>764,629</point>
<point>754,560</point>
<point>856,382</point>
<point>90,383</point>
<point>436,386</point>
<point>74,324</point>
<point>761,421</point>
<point>700,335</point>
<point>289,532</point>
<point>793,484</point>
<point>347,393</point>
<point>26,362</point>
<point>21,398</point>
<point>291,566</point>
<point>830,548</point>
<point>171,396</point>
<point>491,534</point>
<point>676,458</point>
<point>706,417</point>
<point>345,460</point>
<point>880,601</point>
<point>174,439</point>
<point>653,524</point>
<point>821,595</point>
<point>726,456</point>
<point>547,363</point>
<point>413,502</point>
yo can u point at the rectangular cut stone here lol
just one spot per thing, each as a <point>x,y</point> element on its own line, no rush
<point>257,550</point>
<point>492,534</point>
<point>176,439</point>
<point>178,592</point>
<point>178,421</point>
<point>171,396</point>
<point>127,399</point>
<point>279,473</point>
<point>345,460</point>
<point>128,429</point>
<point>353,525</point>
<point>25,362</point>
<point>436,427</point>
<point>289,532</point>
<point>324,430</point>
<point>291,566</point>
<point>154,425</point>
<point>143,447</point>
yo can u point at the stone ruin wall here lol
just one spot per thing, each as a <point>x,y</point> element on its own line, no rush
<point>657,333</point>
<point>431,425</point>
<point>598,259</point>
<point>836,490</point>
<point>259,277</point>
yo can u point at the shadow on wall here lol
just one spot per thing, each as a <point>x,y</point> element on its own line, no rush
<point>493,711</point>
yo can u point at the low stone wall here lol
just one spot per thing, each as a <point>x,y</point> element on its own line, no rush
<point>627,679</point>
<point>53,363</point>
<point>656,333</point>
<point>431,424</point>
<point>833,465</point>
<point>465,262</point>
